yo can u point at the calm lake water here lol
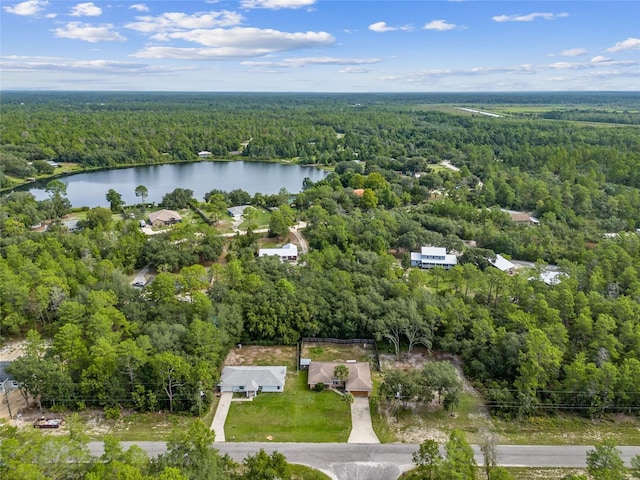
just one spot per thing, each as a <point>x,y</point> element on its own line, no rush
<point>90,189</point>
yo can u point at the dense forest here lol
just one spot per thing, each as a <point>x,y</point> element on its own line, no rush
<point>93,340</point>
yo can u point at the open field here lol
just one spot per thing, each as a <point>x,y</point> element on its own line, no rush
<point>295,415</point>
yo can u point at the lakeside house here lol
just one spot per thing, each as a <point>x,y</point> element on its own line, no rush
<point>251,380</point>
<point>288,252</point>
<point>429,257</point>
<point>163,218</point>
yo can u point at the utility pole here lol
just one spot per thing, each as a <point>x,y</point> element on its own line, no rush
<point>6,396</point>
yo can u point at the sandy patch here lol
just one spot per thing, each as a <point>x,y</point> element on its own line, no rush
<point>12,350</point>
<point>261,355</point>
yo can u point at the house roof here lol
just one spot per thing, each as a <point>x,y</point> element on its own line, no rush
<point>520,217</point>
<point>433,251</point>
<point>252,377</point>
<point>288,250</point>
<point>358,192</point>
<point>238,210</point>
<point>165,216</point>
<point>359,375</point>
<point>502,263</point>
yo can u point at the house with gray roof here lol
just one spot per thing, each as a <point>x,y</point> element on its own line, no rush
<point>251,379</point>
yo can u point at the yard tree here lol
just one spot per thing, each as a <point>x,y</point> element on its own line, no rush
<point>173,371</point>
<point>115,200</point>
<point>278,225</point>
<point>177,199</point>
<point>263,466</point>
<point>460,462</point>
<point>428,459</point>
<point>341,373</point>
<point>405,386</point>
<point>605,462</point>
<point>60,204</point>
<point>443,378</point>
<point>190,450</point>
<point>142,192</point>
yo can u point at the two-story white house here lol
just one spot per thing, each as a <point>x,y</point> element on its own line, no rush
<point>429,257</point>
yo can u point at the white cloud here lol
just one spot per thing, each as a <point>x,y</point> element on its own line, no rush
<point>234,43</point>
<point>88,9</point>
<point>355,70</point>
<point>440,25</point>
<point>276,4</point>
<point>44,64</point>
<point>628,44</point>
<point>140,7</point>
<point>530,17</point>
<point>305,61</point>
<point>600,59</point>
<point>89,33</point>
<point>172,21</point>
<point>382,27</point>
<point>573,52</point>
<point>28,8</point>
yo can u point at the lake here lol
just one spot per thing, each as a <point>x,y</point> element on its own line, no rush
<point>90,189</point>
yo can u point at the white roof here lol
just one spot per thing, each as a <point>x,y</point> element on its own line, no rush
<point>433,251</point>
<point>551,277</point>
<point>417,256</point>
<point>502,263</point>
<point>288,250</point>
<point>253,377</point>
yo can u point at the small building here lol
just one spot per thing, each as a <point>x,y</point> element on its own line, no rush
<point>429,257</point>
<point>72,225</point>
<point>204,154</point>
<point>251,380</point>
<point>503,264</point>
<point>304,363</point>
<point>163,218</point>
<point>288,252</point>
<point>358,192</point>
<point>358,383</point>
<point>237,211</point>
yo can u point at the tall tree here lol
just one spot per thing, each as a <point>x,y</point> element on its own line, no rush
<point>142,192</point>
<point>115,200</point>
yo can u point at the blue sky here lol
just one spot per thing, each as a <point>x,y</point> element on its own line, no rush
<point>320,45</point>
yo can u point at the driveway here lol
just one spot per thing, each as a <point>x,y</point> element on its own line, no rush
<point>221,416</point>
<point>361,429</point>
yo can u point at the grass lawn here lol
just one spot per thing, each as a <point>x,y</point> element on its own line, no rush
<point>261,219</point>
<point>295,415</point>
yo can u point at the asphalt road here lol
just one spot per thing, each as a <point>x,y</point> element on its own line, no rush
<point>386,461</point>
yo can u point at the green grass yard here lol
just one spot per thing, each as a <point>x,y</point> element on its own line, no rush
<point>295,415</point>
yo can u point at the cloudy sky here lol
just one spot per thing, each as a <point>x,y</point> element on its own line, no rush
<point>320,45</point>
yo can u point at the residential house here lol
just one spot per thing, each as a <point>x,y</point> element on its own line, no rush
<point>237,211</point>
<point>204,154</point>
<point>252,379</point>
<point>163,218</point>
<point>429,257</point>
<point>503,264</point>
<point>288,252</point>
<point>358,383</point>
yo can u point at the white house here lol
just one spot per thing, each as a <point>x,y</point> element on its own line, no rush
<point>251,380</point>
<point>502,264</point>
<point>204,154</point>
<point>429,257</point>
<point>286,252</point>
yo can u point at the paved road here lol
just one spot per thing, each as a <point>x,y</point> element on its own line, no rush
<point>386,461</point>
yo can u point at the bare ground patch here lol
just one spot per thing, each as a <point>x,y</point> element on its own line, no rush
<point>262,355</point>
<point>337,352</point>
<point>12,350</point>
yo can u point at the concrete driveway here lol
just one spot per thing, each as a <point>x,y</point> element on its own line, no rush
<point>221,416</point>
<point>361,428</point>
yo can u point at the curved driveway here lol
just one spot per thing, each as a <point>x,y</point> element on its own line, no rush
<point>386,461</point>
